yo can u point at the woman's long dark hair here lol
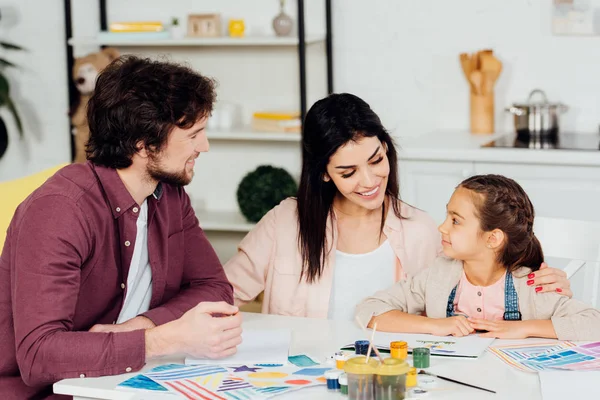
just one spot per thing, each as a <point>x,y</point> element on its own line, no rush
<point>503,204</point>
<point>329,124</point>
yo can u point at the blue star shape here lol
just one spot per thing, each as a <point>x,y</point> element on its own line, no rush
<point>245,368</point>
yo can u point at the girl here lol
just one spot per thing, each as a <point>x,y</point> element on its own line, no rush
<point>485,280</point>
<point>347,234</point>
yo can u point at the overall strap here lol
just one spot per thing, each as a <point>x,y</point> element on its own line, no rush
<point>511,300</point>
<point>450,306</point>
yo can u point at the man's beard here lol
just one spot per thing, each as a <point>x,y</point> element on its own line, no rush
<point>172,178</point>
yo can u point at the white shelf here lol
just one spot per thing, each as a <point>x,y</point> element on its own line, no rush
<point>215,42</point>
<point>250,135</point>
<point>223,221</point>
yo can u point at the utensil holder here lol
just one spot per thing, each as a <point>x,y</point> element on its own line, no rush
<point>482,113</point>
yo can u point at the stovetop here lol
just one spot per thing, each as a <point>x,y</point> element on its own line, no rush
<point>564,141</point>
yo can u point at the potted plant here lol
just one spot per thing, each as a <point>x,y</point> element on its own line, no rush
<point>176,29</point>
<point>6,100</point>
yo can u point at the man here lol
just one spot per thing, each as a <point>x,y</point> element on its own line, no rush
<point>105,265</point>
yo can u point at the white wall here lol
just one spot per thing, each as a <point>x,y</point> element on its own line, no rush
<point>39,87</point>
<point>400,55</point>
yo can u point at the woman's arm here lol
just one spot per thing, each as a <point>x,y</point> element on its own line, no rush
<point>247,269</point>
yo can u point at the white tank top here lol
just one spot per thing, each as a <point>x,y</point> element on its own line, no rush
<point>357,276</point>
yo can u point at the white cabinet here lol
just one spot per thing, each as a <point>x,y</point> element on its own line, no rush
<point>559,191</point>
<point>555,190</point>
<point>428,185</point>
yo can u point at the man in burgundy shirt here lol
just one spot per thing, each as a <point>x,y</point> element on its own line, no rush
<point>105,266</point>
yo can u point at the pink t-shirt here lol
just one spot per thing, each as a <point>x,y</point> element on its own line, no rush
<point>483,302</point>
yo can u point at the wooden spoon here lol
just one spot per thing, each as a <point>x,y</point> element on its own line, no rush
<point>477,81</point>
<point>465,62</point>
<point>491,68</point>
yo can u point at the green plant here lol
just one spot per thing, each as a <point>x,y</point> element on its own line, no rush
<point>5,99</point>
<point>262,189</point>
<point>175,21</point>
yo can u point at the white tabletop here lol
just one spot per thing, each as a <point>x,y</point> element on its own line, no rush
<point>320,338</point>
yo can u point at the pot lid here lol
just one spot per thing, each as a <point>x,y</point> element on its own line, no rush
<point>540,103</point>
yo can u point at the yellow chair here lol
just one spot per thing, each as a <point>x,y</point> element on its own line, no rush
<point>12,193</point>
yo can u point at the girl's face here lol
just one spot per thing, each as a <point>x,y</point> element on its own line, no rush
<point>360,172</point>
<point>462,238</point>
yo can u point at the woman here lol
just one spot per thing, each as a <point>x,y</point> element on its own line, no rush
<point>347,234</point>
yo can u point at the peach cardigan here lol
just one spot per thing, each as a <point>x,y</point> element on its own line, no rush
<point>269,259</point>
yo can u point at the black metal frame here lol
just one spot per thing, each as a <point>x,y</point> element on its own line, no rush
<point>301,52</point>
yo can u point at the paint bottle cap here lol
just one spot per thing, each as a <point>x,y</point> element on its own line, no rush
<point>333,374</point>
<point>358,365</point>
<point>398,345</point>
<point>343,379</point>
<point>393,366</point>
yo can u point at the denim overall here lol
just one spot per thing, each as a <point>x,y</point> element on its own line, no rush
<point>511,301</point>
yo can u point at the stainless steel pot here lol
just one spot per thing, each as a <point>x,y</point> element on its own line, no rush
<point>537,118</point>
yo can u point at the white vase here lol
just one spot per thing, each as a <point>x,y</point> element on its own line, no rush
<point>177,32</point>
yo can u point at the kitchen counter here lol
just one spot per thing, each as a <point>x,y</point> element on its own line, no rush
<point>463,146</point>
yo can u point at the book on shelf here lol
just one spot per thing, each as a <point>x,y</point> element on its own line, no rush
<point>276,115</point>
<point>131,36</point>
<point>266,125</point>
<point>136,26</point>
<point>276,121</point>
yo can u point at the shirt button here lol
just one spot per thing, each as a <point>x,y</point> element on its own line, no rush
<point>122,286</point>
<point>127,243</point>
<point>478,293</point>
<point>135,209</point>
<point>478,309</point>
<point>128,369</point>
<point>118,209</point>
<point>82,375</point>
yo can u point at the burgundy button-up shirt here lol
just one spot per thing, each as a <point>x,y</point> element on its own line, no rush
<point>64,268</point>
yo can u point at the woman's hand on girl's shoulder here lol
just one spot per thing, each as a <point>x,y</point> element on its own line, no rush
<point>548,279</point>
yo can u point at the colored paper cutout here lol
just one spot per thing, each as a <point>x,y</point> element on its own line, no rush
<point>267,375</point>
<point>297,382</point>
<point>312,371</point>
<point>245,368</point>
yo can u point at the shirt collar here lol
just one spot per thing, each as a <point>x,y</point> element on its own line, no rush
<point>119,198</point>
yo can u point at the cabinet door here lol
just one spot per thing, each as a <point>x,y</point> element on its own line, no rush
<point>556,191</point>
<point>428,185</point>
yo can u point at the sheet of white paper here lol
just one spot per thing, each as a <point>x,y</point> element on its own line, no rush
<point>258,347</point>
<point>560,385</point>
<point>468,346</point>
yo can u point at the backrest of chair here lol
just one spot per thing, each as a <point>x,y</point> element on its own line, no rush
<point>12,193</point>
<point>566,238</point>
<point>578,241</point>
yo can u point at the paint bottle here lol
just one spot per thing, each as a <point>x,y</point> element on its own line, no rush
<point>399,350</point>
<point>411,377</point>
<point>340,360</point>
<point>390,379</point>
<point>421,356</point>
<point>343,380</point>
<point>360,377</point>
<point>361,347</point>
<point>332,377</point>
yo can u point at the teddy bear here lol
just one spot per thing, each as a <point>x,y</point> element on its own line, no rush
<point>85,72</point>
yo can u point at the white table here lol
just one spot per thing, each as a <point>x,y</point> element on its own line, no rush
<point>319,338</point>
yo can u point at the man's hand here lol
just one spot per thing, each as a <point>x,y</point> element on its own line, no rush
<point>455,326</point>
<point>209,330</point>
<point>133,324</point>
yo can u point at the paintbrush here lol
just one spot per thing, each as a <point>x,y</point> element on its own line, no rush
<point>363,327</point>
<point>455,381</point>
